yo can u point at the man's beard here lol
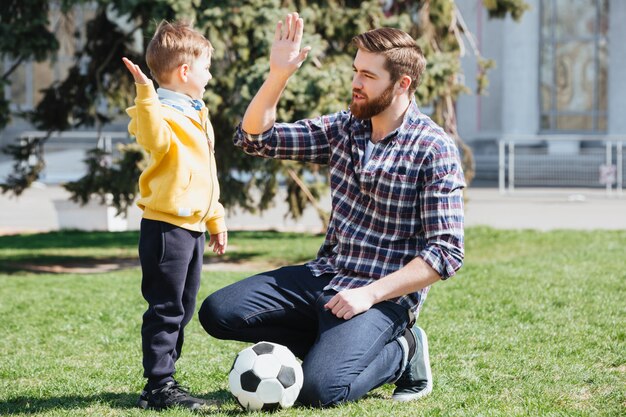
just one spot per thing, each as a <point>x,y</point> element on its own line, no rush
<point>371,108</point>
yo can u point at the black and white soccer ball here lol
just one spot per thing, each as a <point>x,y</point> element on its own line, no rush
<point>265,376</point>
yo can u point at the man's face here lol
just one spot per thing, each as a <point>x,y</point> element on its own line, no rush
<point>372,88</point>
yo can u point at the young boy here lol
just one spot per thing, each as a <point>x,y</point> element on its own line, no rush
<point>179,199</point>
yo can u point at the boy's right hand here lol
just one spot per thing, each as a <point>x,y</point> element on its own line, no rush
<point>286,56</point>
<point>138,75</point>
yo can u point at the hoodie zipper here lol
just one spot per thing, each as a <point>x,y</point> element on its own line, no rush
<point>211,155</point>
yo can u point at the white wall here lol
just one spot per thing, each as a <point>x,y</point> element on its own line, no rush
<point>520,73</point>
<point>512,105</point>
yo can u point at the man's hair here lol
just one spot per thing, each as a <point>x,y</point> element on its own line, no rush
<point>172,45</point>
<point>402,54</point>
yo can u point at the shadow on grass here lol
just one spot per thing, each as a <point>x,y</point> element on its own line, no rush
<point>81,239</point>
<point>29,405</point>
<point>40,252</point>
<point>71,239</point>
<point>56,264</point>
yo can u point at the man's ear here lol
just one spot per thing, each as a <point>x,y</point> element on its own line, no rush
<point>404,83</point>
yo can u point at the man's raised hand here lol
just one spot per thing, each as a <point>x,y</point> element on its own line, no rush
<point>286,56</point>
<point>138,75</point>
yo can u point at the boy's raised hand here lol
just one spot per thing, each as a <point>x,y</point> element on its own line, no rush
<point>286,56</point>
<point>138,75</point>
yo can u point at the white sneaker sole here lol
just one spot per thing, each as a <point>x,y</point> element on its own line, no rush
<point>429,375</point>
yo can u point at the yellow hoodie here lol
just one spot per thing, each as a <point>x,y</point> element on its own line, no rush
<point>179,186</point>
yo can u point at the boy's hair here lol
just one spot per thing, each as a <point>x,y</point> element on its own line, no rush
<point>402,55</point>
<point>172,45</point>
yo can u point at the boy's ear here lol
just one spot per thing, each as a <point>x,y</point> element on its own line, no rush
<point>182,72</point>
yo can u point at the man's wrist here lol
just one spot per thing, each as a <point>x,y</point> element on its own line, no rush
<point>278,79</point>
<point>373,293</point>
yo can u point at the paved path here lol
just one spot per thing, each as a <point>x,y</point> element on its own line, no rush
<point>541,209</point>
<point>546,209</point>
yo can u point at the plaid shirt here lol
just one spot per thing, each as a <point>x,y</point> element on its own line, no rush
<point>405,202</point>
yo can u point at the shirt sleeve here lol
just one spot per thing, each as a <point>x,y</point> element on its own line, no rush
<point>306,140</point>
<point>442,212</point>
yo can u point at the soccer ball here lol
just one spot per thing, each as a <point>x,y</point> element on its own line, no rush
<point>265,376</point>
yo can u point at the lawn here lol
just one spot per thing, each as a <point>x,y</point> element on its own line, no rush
<point>533,325</point>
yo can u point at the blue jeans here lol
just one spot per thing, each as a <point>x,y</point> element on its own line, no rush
<point>342,359</point>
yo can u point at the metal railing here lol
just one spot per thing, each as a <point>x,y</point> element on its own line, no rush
<point>561,161</point>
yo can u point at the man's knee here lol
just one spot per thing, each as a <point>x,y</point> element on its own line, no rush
<point>215,316</point>
<point>320,390</point>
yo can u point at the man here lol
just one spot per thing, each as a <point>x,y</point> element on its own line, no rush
<point>396,227</point>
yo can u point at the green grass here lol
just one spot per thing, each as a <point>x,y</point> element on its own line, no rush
<point>533,325</point>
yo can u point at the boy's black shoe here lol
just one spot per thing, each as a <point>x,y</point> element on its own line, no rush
<point>169,395</point>
<point>142,402</point>
<point>416,380</point>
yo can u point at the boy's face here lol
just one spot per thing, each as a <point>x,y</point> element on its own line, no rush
<point>197,77</point>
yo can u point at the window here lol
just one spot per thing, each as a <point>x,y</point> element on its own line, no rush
<point>574,65</point>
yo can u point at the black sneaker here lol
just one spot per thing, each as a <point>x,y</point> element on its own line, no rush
<point>142,402</point>
<point>417,380</point>
<point>170,395</point>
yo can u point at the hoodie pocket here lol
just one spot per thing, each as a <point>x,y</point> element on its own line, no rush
<point>193,198</point>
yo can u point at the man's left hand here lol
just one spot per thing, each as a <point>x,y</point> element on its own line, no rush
<point>349,303</point>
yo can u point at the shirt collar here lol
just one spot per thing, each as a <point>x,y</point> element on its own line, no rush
<point>411,118</point>
<point>181,102</point>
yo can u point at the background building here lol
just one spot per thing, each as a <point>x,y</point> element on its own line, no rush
<point>556,95</point>
<point>558,91</point>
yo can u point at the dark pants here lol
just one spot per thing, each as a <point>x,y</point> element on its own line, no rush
<point>342,359</point>
<point>171,264</point>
